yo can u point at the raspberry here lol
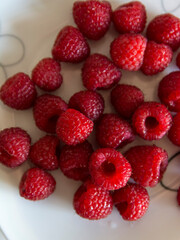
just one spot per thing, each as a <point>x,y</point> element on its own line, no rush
<point>73,127</point>
<point>178,196</point>
<point>165,28</point>
<point>174,132</point>
<point>151,120</point>
<point>70,46</point>
<point>74,160</point>
<point>18,92</point>
<point>92,17</point>
<point>92,202</point>
<point>47,110</point>
<point>90,103</point>
<point>125,99</point>
<point>109,169</point>
<point>14,146</point>
<point>178,60</point>
<point>132,201</point>
<point>130,18</point>
<point>46,74</point>
<point>156,58</point>
<point>36,184</point>
<point>113,131</point>
<point>99,72</point>
<point>148,164</point>
<point>127,51</point>
<point>169,91</point>
<point>44,152</point>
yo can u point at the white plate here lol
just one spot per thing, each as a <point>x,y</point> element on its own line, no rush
<point>28,29</point>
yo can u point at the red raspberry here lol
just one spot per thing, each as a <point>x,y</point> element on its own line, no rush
<point>125,99</point>
<point>156,58</point>
<point>148,164</point>
<point>178,196</point>
<point>151,120</point>
<point>46,74</point>
<point>165,28</point>
<point>18,92</point>
<point>130,17</point>
<point>36,184</point>
<point>70,46</point>
<point>74,160</point>
<point>44,152</point>
<point>73,127</point>
<point>92,17</point>
<point>92,202</point>
<point>169,91</point>
<point>99,72</point>
<point>132,201</point>
<point>47,110</point>
<point>127,51</point>
<point>178,60</point>
<point>90,103</point>
<point>174,132</point>
<point>14,146</point>
<point>109,169</point>
<point>113,131</point>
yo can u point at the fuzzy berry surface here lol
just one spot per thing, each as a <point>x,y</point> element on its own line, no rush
<point>178,60</point>
<point>74,160</point>
<point>70,46</point>
<point>178,196</point>
<point>148,163</point>
<point>92,202</point>
<point>151,120</point>
<point>165,28</point>
<point>46,74</point>
<point>99,72</point>
<point>73,127</point>
<point>127,51</point>
<point>47,110</point>
<point>130,17</point>
<point>125,99</point>
<point>157,57</point>
<point>90,103</point>
<point>36,184</point>
<point>92,17</point>
<point>113,131</point>
<point>44,152</point>
<point>169,91</point>
<point>109,168</point>
<point>131,201</point>
<point>174,132</point>
<point>18,92</point>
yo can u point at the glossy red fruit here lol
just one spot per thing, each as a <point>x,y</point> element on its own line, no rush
<point>174,132</point>
<point>178,60</point>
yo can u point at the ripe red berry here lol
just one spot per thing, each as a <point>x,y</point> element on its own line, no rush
<point>174,132</point>
<point>74,160</point>
<point>165,28</point>
<point>178,196</point>
<point>148,164</point>
<point>44,152</point>
<point>70,46</point>
<point>157,57</point>
<point>99,72</point>
<point>169,91</point>
<point>113,131</point>
<point>92,202</point>
<point>47,110</point>
<point>36,184</point>
<point>109,169</point>
<point>90,103</point>
<point>18,92</point>
<point>132,201</point>
<point>92,17</point>
<point>130,17</point>
<point>125,99</point>
<point>73,127</point>
<point>14,146</point>
<point>127,51</point>
<point>178,60</point>
<point>46,74</point>
<point>151,120</point>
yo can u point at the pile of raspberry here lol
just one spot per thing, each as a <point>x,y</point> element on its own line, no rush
<point>109,177</point>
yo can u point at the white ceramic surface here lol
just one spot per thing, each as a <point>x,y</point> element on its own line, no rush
<point>27,32</point>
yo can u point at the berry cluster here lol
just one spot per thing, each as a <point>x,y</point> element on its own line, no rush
<point>105,172</point>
